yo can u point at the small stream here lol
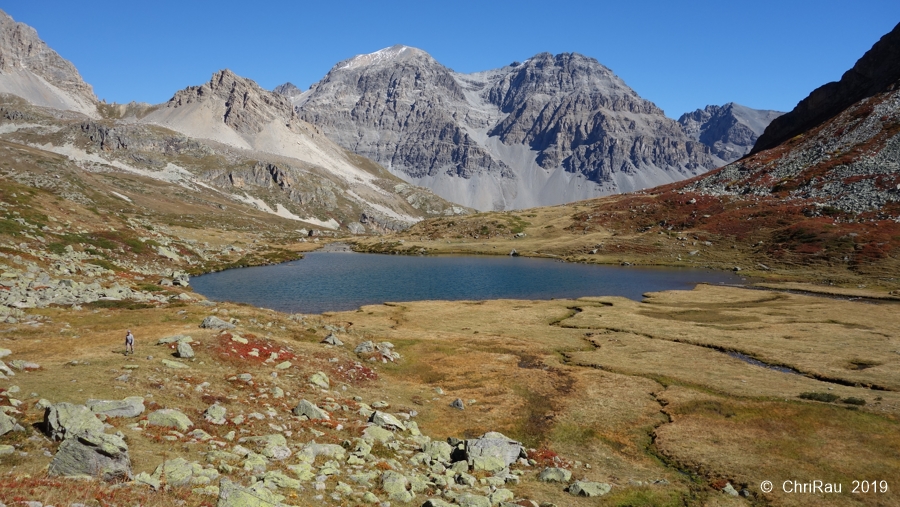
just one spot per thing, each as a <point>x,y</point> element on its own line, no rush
<point>756,362</point>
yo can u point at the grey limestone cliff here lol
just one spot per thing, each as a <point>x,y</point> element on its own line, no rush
<point>730,130</point>
<point>33,71</point>
<point>549,130</point>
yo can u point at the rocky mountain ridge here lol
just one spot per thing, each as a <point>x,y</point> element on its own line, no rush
<point>549,130</point>
<point>730,131</point>
<point>227,136</point>
<point>876,72</point>
<point>30,69</point>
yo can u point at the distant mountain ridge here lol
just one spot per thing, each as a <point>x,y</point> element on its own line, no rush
<point>552,129</point>
<point>730,131</point>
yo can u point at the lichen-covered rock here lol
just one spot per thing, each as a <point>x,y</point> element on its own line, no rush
<point>94,455</point>
<point>493,444</point>
<point>554,474</point>
<point>132,406</point>
<point>277,480</point>
<point>257,495</point>
<point>487,463</point>
<point>213,322</point>
<point>470,500</point>
<point>8,424</point>
<point>387,421</point>
<point>501,495</point>
<point>178,338</point>
<point>215,414</point>
<point>181,472</point>
<point>438,450</point>
<point>310,411</point>
<point>169,418</point>
<point>273,446</point>
<point>184,350</point>
<point>312,450</point>
<point>396,486</point>
<point>64,420</point>
<point>378,434</point>
<point>584,488</point>
<point>320,379</point>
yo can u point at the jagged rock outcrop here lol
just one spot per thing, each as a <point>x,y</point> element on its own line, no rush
<point>33,71</point>
<point>730,131</point>
<point>552,129</point>
<point>874,73</point>
<point>850,162</point>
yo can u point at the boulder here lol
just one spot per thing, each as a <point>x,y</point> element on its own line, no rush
<point>438,450</point>
<point>235,495</point>
<point>387,421</point>
<point>93,455</point>
<point>493,444</point>
<point>310,410</point>
<point>8,424</point>
<point>65,420</point>
<point>331,339</point>
<point>169,418</point>
<point>470,500</point>
<point>366,347</point>
<point>181,472</point>
<point>213,322</point>
<point>273,446</point>
<point>320,379</point>
<point>132,406</point>
<point>215,414</point>
<point>436,502</point>
<point>554,474</point>
<point>178,338</point>
<point>174,364</point>
<point>396,486</point>
<point>458,404</point>
<point>584,488</point>
<point>184,350</point>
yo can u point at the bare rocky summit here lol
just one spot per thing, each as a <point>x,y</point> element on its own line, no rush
<point>550,130</point>
<point>730,131</point>
<point>33,71</point>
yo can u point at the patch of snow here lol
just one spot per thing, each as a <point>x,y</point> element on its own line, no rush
<point>329,224</point>
<point>383,209</point>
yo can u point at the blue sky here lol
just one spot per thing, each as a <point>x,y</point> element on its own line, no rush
<point>682,55</point>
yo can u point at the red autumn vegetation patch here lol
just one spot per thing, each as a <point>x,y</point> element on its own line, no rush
<point>351,372</point>
<point>548,458</point>
<point>256,350</point>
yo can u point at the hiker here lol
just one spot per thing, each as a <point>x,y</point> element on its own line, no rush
<point>129,342</point>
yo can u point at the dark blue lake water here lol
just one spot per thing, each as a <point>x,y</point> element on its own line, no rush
<point>332,281</point>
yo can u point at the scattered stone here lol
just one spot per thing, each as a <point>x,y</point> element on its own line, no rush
<point>93,455</point>
<point>385,420</point>
<point>6,450</point>
<point>132,406</point>
<point>178,338</point>
<point>555,474</point>
<point>458,404</point>
<point>584,488</point>
<point>273,446</point>
<point>8,424</point>
<point>397,486</point>
<point>729,490</point>
<point>283,366</point>
<point>66,420</point>
<point>470,500</point>
<point>169,418</point>
<point>310,411</point>
<point>184,350</point>
<point>4,353</point>
<point>174,364</point>
<point>213,322</point>
<point>215,414</point>
<point>332,339</point>
<point>493,444</point>
<point>257,495</point>
<point>320,379</point>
